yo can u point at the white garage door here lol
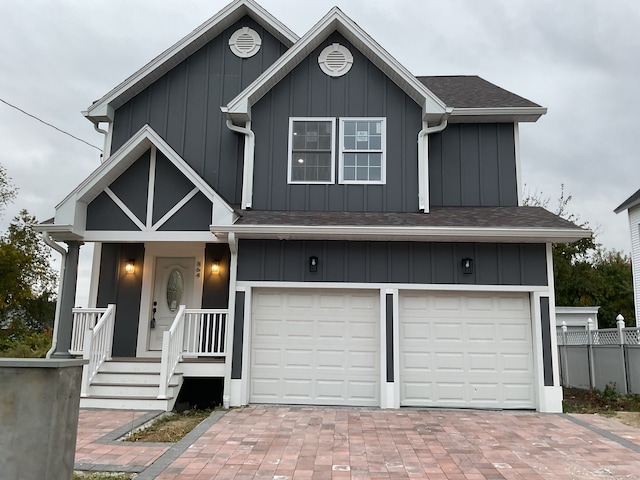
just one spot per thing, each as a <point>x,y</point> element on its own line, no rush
<point>466,350</point>
<point>315,347</point>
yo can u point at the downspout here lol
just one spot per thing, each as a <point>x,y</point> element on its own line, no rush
<point>249,149</point>
<point>58,248</point>
<point>423,158</point>
<point>106,150</point>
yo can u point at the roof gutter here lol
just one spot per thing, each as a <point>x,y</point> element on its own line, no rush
<point>249,154</point>
<point>413,233</point>
<point>60,249</point>
<point>423,159</point>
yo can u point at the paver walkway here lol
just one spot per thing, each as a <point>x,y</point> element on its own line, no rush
<point>281,443</point>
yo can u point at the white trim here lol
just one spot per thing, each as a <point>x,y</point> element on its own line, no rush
<point>72,210</point>
<point>331,120</point>
<point>382,151</point>
<point>516,138</point>
<point>158,236</point>
<point>441,287</point>
<point>336,20</point>
<point>552,316</point>
<point>246,347</point>
<point>125,209</point>
<point>95,275</point>
<point>413,233</point>
<point>152,184</point>
<point>175,209</point>
<point>496,114</point>
<point>104,108</point>
<point>382,320</point>
<point>396,348</point>
<point>227,396</point>
<point>537,347</point>
<point>153,251</point>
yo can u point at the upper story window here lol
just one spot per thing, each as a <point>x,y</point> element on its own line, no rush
<point>362,150</point>
<point>311,150</point>
<point>362,143</point>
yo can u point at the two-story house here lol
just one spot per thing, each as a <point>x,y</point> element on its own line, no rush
<point>309,221</point>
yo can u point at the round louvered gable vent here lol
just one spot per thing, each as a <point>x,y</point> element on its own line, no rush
<point>245,42</point>
<point>335,60</point>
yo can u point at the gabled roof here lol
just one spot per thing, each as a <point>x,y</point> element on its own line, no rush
<point>443,224</point>
<point>470,95</point>
<point>632,201</point>
<point>239,109</point>
<point>102,110</point>
<point>71,212</point>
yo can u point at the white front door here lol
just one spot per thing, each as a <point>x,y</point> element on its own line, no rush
<point>173,287</point>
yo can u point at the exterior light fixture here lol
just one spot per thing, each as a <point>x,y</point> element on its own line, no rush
<point>215,267</point>
<point>313,264</point>
<point>130,267</point>
<point>467,266</point>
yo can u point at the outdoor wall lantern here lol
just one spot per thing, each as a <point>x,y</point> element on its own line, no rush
<point>467,266</point>
<point>215,267</point>
<point>130,266</point>
<point>313,264</point>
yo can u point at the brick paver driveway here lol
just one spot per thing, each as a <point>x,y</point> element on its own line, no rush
<point>282,443</point>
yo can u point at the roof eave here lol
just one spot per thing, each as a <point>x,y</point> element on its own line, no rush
<point>103,109</point>
<point>497,114</point>
<point>414,233</point>
<point>336,20</point>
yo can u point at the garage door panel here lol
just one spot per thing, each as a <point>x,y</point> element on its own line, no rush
<point>328,355</point>
<point>466,349</point>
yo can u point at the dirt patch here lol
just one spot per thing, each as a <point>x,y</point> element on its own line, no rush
<point>632,419</point>
<point>169,428</point>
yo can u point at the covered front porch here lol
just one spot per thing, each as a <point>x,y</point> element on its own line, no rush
<point>193,346</point>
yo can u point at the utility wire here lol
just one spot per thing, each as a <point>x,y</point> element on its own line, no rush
<point>49,125</point>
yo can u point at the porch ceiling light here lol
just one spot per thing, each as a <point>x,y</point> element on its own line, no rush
<point>130,266</point>
<point>215,267</point>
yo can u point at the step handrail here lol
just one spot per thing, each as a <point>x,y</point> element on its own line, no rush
<point>98,345</point>
<point>83,319</point>
<point>172,347</point>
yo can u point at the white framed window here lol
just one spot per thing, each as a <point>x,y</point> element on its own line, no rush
<point>311,150</point>
<point>363,143</point>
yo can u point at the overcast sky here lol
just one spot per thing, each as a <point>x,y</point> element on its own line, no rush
<point>579,59</point>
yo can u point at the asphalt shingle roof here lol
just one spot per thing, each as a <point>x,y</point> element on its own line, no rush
<point>472,92</point>
<point>468,217</point>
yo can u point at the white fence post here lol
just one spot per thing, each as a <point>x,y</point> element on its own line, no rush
<point>620,325</point>
<point>592,366</point>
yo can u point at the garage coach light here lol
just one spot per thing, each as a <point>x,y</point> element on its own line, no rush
<point>313,264</point>
<point>467,266</point>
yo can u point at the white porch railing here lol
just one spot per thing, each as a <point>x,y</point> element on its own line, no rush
<point>98,343</point>
<point>83,320</point>
<point>194,332</point>
<point>205,332</point>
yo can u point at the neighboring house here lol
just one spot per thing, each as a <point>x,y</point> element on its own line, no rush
<point>339,231</point>
<point>632,205</point>
<point>576,318</point>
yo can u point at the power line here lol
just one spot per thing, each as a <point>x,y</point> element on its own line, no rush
<point>49,125</point>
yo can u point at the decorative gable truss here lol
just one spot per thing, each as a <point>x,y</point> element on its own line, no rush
<point>143,192</point>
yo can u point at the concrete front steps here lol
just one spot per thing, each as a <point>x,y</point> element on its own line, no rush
<point>130,384</point>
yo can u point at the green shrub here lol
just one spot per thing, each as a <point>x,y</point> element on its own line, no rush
<point>29,345</point>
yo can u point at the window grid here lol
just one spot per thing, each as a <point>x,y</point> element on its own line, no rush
<point>362,150</point>
<point>311,147</point>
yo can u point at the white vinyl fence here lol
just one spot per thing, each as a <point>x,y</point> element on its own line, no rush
<point>597,358</point>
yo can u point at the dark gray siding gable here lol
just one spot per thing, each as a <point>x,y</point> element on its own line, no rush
<point>363,92</point>
<point>183,106</point>
<point>392,262</point>
<point>473,165</point>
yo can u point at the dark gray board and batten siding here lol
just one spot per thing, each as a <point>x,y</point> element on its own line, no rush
<point>308,92</point>
<point>392,262</point>
<point>183,106</point>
